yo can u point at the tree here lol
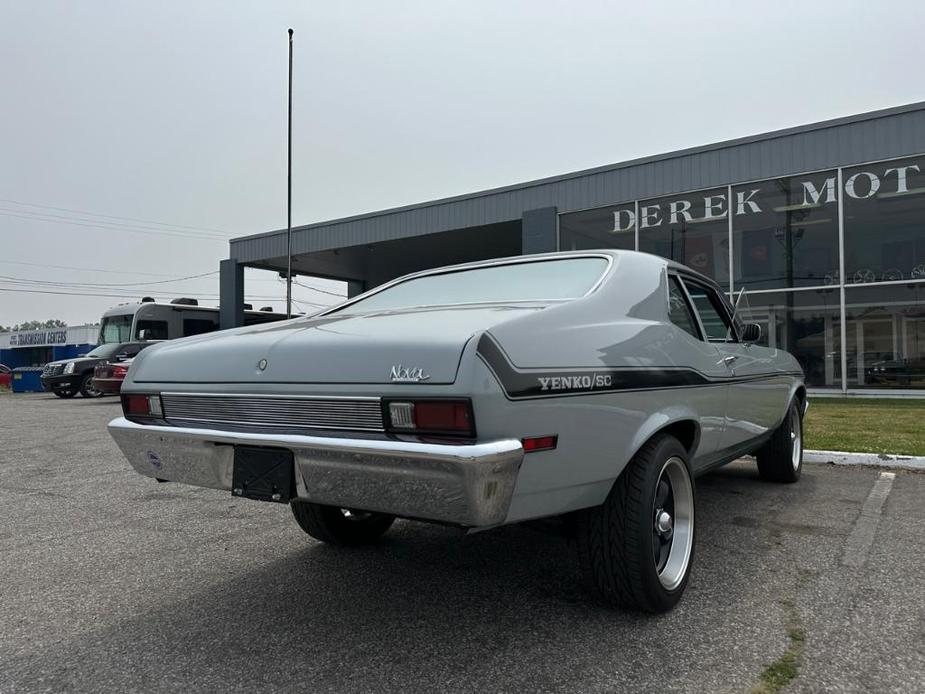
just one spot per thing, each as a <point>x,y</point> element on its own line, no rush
<point>36,325</point>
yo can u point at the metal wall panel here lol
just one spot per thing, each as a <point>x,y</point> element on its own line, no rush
<point>841,142</point>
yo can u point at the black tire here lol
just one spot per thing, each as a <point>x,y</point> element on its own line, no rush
<point>781,458</point>
<point>65,393</point>
<point>87,389</point>
<point>617,541</point>
<point>338,526</point>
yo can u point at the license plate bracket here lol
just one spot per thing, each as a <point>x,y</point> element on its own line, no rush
<point>264,474</point>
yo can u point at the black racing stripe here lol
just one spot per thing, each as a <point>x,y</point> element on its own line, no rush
<point>551,382</point>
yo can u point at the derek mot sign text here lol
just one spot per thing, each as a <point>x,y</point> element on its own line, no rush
<point>864,184</point>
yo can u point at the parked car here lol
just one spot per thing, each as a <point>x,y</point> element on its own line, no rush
<point>108,376</point>
<point>591,385</point>
<point>6,376</point>
<point>896,372</point>
<point>67,377</point>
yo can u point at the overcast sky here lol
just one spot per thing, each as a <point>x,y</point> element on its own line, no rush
<point>136,136</point>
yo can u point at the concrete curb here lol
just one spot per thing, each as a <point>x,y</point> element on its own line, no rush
<point>905,462</point>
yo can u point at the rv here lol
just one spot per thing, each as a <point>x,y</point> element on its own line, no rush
<point>152,320</point>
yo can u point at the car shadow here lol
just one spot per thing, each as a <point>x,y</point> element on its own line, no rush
<point>426,607</point>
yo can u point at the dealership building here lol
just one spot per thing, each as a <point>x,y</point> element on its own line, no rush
<point>822,225</point>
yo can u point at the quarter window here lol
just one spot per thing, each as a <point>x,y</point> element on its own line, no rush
<point>712,313</point>
<point>154,329</point>
<point>679,311</point>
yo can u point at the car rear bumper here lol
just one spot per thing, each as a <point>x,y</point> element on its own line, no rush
<point>107,385</point>
<point>464,484</point>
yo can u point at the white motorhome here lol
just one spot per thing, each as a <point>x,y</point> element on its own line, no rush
<point>153,320</point>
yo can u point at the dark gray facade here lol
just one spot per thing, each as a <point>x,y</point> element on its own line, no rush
<point>801,181</point>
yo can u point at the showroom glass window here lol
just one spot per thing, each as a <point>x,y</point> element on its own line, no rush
<point>691,228</point>
<point>885,336</point>
<point>805,323</point>
<point>884,214</point>
<point>605,227</point>
<point>785,232</point>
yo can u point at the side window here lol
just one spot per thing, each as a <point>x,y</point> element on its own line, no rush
<point>712,313</point>
<point>154,329</point>
<point>198,326</point>
<point>679,311</point>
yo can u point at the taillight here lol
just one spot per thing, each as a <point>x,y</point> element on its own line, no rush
<point>141,406</point>
<point>119,371</point>
<point>540,443</point>
<point>431,416</point>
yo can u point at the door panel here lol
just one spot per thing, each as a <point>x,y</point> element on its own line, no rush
<point>710,402</point>
<point>757,397</point>
<point>753,402</point>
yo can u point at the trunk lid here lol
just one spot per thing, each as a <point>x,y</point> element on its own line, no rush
<point>417,346</point>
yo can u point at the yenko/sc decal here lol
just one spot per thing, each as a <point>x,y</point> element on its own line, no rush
<point>575,382</point>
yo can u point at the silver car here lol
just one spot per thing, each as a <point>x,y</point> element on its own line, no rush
<point>589,385</point>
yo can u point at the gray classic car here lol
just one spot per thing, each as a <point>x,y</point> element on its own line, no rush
<point>590,385</point>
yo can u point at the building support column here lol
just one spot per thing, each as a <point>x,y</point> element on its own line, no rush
<point>540,230</point>
<point>230,294</point>
<point>828,349</point>
<point>355,288</point>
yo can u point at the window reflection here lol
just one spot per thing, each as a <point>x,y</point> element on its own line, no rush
<point>691,228</point>
<point>785,232</point>
<point>605,227</point>
<point>886,336</point>
<point>884,213</point>
<point>806,324</point>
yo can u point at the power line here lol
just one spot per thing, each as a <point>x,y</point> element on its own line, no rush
<point>317,289</point>
<point>85,269</point>
<point>97,285</point>
<point>133,295</point>
<point>103,225</point>
<point>130,295</point>
<point>111,216</point>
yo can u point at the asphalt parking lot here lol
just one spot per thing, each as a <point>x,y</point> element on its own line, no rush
<point>110,581</point>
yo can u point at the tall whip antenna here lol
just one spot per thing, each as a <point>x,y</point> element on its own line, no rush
<point>289,195</point>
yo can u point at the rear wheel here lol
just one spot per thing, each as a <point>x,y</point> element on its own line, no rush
<point>636,549</point>
<point>340,526</point>
<point>781,458</point>
<point>87,389</point>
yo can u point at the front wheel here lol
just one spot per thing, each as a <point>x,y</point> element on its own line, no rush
<point>340,526</point>
<point>87,389</point>
<point>636,549</point>
<point>781,458</point>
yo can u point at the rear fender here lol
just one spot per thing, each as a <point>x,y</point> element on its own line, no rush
<point>664,419</point>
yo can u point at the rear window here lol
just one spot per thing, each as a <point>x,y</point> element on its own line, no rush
<point>546,280</point>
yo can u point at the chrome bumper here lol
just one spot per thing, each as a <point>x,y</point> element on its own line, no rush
<point>469,485</point>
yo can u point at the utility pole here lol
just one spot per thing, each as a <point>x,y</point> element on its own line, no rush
<point>289,195</point>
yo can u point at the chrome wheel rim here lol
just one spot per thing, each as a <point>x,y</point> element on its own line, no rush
<point>672,523</point>
<point>796,438</point>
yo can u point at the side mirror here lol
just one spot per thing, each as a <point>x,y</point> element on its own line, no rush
<point>751,332</point>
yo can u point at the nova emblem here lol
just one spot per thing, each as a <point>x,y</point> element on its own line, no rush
<point>407,374</point>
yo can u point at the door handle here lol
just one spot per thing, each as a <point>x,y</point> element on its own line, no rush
<point>728,360</point>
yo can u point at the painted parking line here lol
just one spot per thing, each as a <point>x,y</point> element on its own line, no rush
<point>865,527</point>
